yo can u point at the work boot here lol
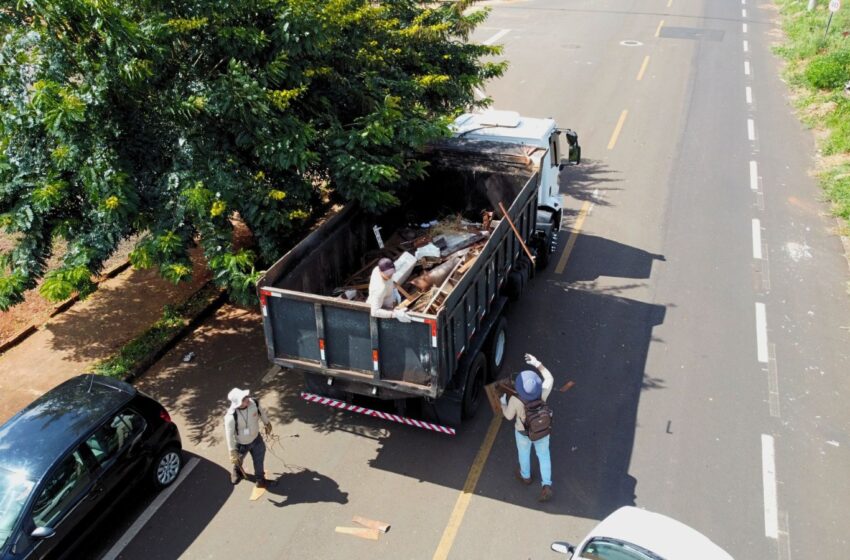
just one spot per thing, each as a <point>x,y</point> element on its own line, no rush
<point>235,476</point>
<point>545,494</point>
<point>519,477</point>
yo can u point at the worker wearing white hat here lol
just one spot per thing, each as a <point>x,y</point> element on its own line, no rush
<point>242,433</point>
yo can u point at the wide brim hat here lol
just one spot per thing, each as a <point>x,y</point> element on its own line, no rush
<point>528,386</point>
<point>235,396</point>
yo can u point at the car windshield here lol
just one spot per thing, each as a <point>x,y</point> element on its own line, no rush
<point>15,488</point>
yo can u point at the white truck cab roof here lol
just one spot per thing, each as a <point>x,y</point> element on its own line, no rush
<point>505,126</point>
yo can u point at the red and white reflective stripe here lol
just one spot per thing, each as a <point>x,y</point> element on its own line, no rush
<point>333,403</point>
<point>322,348</point>
<point>433,324</point>
<point>375,360</point>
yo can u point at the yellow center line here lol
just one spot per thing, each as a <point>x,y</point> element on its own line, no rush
<point>660,25</point>
<point>643,68</point>
<point>617,129</point>
<point>462,503</point>
<point>571,241</point>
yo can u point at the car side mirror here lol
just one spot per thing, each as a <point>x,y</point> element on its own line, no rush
<point>563,547</point>
<point>42,533</point>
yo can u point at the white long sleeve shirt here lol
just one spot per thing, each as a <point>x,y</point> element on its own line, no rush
<point>516,408</point>
<point>382,294</point>
<point>247,425</point>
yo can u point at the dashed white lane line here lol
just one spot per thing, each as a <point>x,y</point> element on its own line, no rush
<point>747,67</point>
<point>751,129</point>
<point>746,46</point>
<point>134,529</point>
<point>768,468</point>
<point>756,239</point>
<point>744,27</point>
<point>749,93</point>
<point>497,36</point>
<point>761,333</point>
<point>744,13</point>
<point>754,175</point>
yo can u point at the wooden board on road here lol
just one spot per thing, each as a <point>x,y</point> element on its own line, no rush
<point>363,533</point>
<point>371,523</point>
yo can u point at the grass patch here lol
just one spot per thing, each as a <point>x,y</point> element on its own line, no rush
<point>818,68</point>
<point>138,351</point>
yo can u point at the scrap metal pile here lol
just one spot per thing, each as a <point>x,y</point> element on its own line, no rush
<point>430,259</point>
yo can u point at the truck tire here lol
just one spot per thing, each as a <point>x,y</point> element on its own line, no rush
<point>496,348</point>
<point>318,385</point>
<point>474,388</point>
<point>514,285</point>
<point>542,260</point>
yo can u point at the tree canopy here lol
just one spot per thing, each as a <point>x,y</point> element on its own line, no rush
<point>169,118</point>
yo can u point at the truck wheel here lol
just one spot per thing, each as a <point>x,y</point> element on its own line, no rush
<point>513,287</point>
<point>542,260</point>
<point>318,385</point>
<point>474,385</point>
<point>496,348</point>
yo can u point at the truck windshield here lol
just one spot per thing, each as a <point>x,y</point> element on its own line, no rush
<point>15,489</point>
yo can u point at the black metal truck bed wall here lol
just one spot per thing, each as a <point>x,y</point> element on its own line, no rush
<point>307,329</point>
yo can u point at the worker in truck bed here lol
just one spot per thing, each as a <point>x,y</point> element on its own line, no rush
<point>383,295</point>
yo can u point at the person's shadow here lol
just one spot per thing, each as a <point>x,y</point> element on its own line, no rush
<point>306,486</point>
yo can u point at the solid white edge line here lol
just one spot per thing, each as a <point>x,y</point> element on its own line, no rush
<point>747,67</point>
<point>744,27</point>
<point>749,94</point>
<point>497,36</point>
<point>746,46</point>
<point>134,529</point>
<point>754,175</point>
<point>756,238</point>
<point>761,332</point>
<point>751,129</point>
<point>771,507</point>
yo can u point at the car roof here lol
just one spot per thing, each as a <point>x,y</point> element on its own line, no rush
<point>45,430</point>
<point>666,537</point>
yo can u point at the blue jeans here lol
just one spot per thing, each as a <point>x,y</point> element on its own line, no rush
<point>257,449</point>
<point>541,449</point>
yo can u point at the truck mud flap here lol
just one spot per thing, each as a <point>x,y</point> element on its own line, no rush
<point>334,403</point>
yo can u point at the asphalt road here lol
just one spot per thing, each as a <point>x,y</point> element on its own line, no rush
<point>702,314</point>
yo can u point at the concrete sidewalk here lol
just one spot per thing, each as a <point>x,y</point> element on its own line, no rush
<point>90,331</point>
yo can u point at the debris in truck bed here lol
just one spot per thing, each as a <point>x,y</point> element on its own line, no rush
<point>430,259</point>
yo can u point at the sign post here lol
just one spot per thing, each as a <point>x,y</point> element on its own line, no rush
<point>834,5</point>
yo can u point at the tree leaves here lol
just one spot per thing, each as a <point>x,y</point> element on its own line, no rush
<point>177,120</point>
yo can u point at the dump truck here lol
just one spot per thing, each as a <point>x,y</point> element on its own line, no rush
<point>435,366</point>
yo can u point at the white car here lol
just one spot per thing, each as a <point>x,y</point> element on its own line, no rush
<point>632,533</point>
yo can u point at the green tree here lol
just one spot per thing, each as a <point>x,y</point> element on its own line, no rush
<point>170,118</point>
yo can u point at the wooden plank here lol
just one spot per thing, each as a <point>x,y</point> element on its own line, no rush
<point>363,533</point>
<point>493,397</point>
<point>567,386</point>
<point>256,493</point>
<point>467,265</point>
<point>443,285</point>
<point>371,523</point>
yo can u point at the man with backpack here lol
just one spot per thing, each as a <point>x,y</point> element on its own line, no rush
<point>533,422</point>
<point>242,433</point>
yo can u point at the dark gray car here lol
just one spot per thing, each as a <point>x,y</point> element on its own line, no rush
<point>68,457</point>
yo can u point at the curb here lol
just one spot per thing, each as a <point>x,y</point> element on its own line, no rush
<point>30,329</point>
<point>179,335</point>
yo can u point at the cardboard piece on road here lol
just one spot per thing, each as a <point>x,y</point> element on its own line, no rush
<point>370,534</point>
<point>371,523</point>
<point>256,493</point>
<point>567,386</point>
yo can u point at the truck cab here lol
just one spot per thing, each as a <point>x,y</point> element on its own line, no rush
<point>510,127</point>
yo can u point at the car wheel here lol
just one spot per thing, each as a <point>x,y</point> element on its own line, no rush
<point>166,467</point>
<point>474,385</point>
